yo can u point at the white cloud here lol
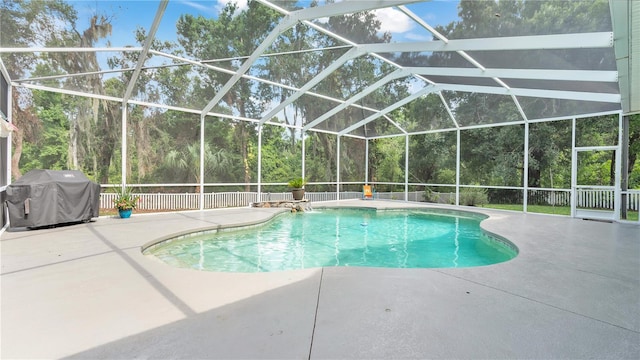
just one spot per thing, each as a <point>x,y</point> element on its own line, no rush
<point>200,6</point>
<point>241,4</point>
<point>418,37</point>
<point>393,21</point>
<point>207,7</point>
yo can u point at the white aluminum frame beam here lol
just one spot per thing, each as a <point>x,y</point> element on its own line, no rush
<point>525,169</point>
<point>443,38</point>
<point>249,77</point>
<point>65,76</point>
<point>406,167</point>
<point>533,42</point>
<point>132,82</point>
<point>4,72</point>
<point>202,155</point>
<point>338,37</point>
<point>556,94</point>
<point>346,7</point>
<point>141,103</point>
<point>309,23</point>
<point>67,50</point>
<point>162,6</point>
<point>388,109</point>
<point>342,39</point>
<point>67,92</point>
<point>7,155</point>
<point>286,23</point>
<point>448,108</point>
<point>142,57</point>
<point>223,70</point>
<point>397,74</point>
<point>437,34</point>
<point>563,41</point>
<point>290,20</point>
<point>625,20</point>
<point>349,55</point>
<point>540,93</point>
<point>528,74</point>
<point>257,79</point>
<point>508,123</point>
<point>403,131</point>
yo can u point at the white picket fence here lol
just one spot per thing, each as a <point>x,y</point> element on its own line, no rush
<point>633,200</point>
<point>600,199</point>
<point>595,199</point>
<point>605,199</point>
<point>191,201</point>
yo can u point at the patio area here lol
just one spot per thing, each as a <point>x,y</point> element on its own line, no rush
<point>86,291</point>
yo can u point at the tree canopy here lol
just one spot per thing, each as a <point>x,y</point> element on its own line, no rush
<point>64,131</point>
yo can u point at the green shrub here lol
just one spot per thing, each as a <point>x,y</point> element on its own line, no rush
<point>473,197</point>
<point>429,195</point>
<point>297,183</point>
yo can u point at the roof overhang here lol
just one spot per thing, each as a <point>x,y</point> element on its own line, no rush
<point>625,18</point>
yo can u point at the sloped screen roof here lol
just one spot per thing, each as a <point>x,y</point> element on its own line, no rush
<point>345,67</point>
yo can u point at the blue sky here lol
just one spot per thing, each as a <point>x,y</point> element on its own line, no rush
<point>128,14</point>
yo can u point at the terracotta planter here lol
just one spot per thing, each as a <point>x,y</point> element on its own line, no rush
<point>298,194</point>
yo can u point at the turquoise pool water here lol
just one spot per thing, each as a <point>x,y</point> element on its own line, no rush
<point>341,237</point>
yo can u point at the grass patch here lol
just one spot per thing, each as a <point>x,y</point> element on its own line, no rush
<point>632,215</point>
<point>548,209</point>
<point>512,207</point>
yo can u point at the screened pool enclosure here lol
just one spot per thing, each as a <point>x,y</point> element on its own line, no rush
<point>522,105</point>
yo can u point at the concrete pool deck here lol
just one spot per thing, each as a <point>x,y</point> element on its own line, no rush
<point>86,291</point>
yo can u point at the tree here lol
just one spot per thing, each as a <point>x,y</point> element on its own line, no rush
<point>386,158</point>
<point>33,23</point>
<point>432,158</point>
<point>548,140</point>
<point>48,150</point>
<point>345,82</point>
<point>281,157</point>
<point>29,127</point>
<point>90,112</point>
<point>146,147</point>
<point>185,163</point>
<point>232,35</point>
<point>28,23</point>
<point>550,154</point>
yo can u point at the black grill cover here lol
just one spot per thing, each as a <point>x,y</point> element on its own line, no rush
<point>51,197</point>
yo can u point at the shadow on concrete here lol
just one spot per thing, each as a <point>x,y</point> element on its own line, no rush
<point>276,324</point>
<point>168,294</point>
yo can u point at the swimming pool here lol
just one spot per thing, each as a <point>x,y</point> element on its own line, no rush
<point>342,237</point>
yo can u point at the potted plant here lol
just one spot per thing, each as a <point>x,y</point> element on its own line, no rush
<point>125,202</point>
<point>297,188</point>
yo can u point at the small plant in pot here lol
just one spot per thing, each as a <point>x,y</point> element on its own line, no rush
<point>297,188</point>
<point>125,202</point>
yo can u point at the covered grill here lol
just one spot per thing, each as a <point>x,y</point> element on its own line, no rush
<point>51,197</point>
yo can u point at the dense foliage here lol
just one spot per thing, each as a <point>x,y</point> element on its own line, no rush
<point>163,146</point>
